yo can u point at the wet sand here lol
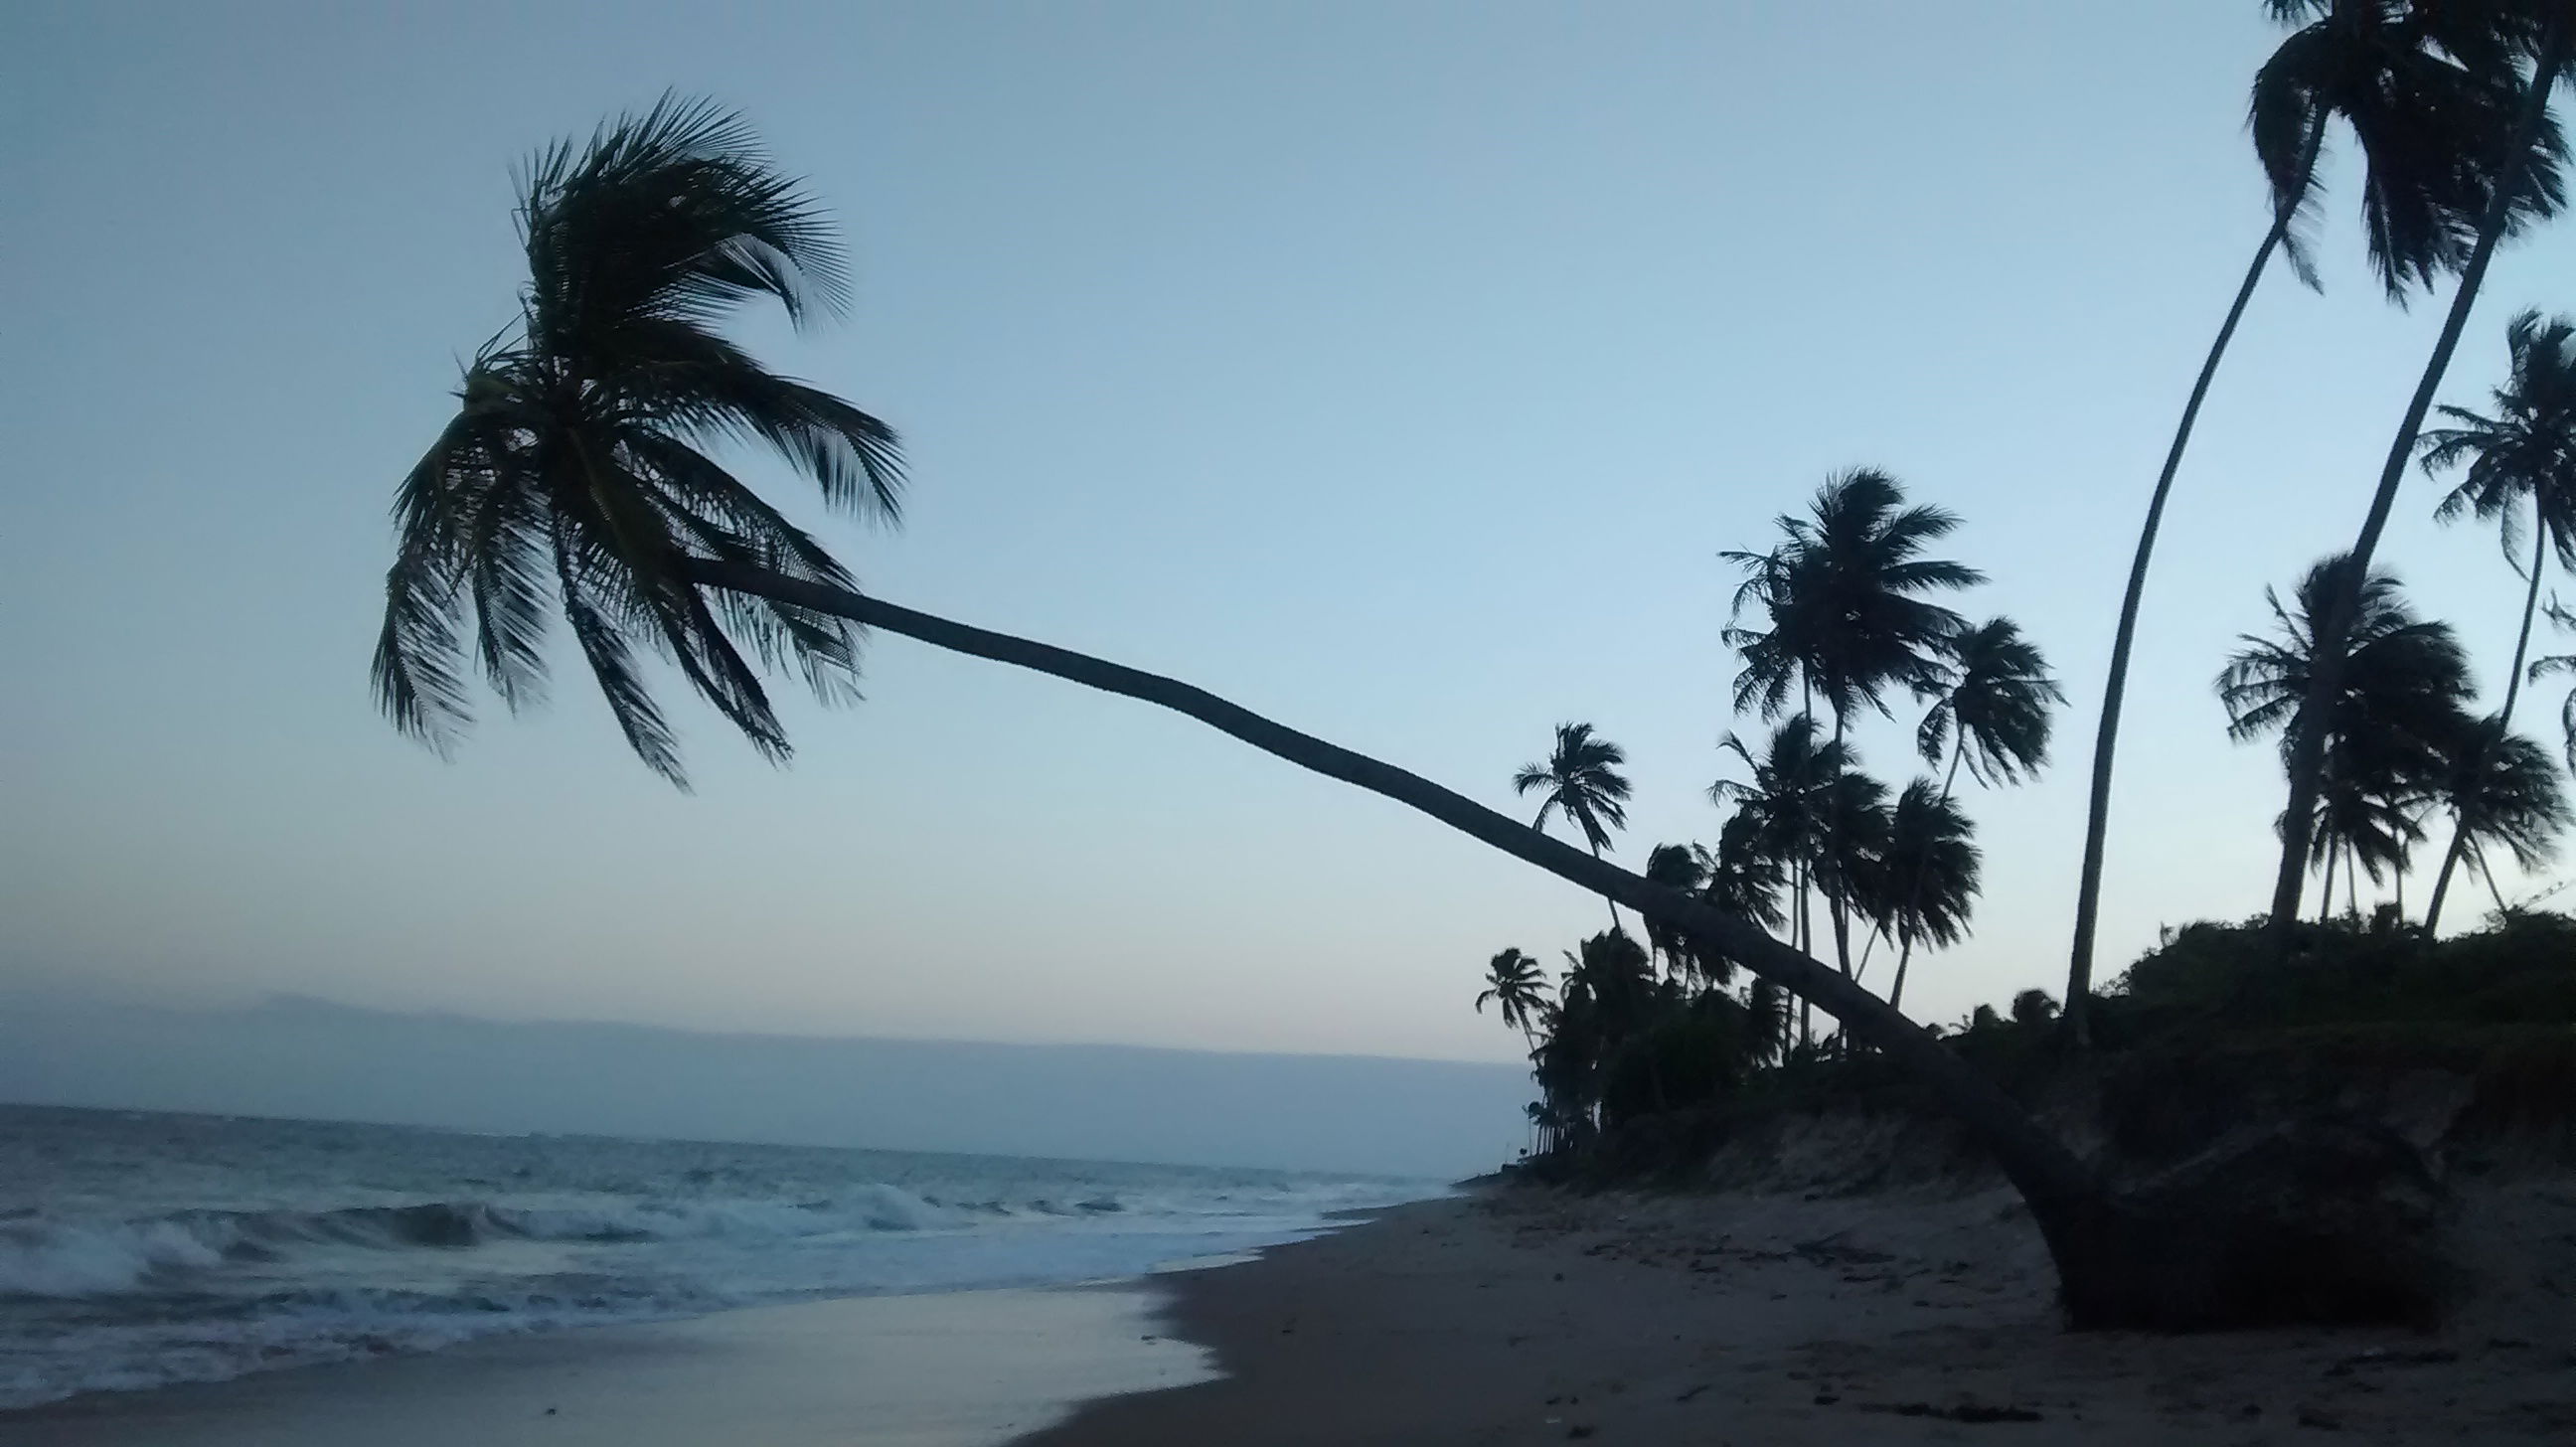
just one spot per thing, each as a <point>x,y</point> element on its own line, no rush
<point>968,1369</point>
<point>1529,1317</point>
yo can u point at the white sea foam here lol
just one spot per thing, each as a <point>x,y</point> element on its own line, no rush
<point>137,1249</point>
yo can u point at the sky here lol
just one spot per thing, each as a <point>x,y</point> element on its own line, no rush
<point>1398,371</point>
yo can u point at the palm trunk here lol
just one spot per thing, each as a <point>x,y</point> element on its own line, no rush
<point>1838,907</point>
<point>2307,759</point>
<point>1614,908</point>
<point>1904,957</point>
<point>2066,1197</point>
<point>2476,777</point>
<point>2106,738</point>
<point>2325,907</point>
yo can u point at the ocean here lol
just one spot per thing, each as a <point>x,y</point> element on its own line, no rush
<point>139,1249</point>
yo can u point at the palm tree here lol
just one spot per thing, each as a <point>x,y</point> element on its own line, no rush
<point>2385,734</point>
<point>2412,83</point>
<point>1842,594</point>
<point>1994,710</point>
<point>1580,781</point>
<point>2523,457</point>
<point>2503,791</point>
<point>2518,176</point>
<point>1929,875</point>
<point>1517,989</point>
<point>1782,802</point>
<point>1741,877</point>
<point>2564,618</point>
<point>1676,867</point>
<point>562,485</point>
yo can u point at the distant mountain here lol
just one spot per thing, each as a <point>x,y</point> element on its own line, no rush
<point>310,1058</point>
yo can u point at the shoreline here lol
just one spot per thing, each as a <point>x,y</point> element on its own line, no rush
<point>1532,1315</point>
<point>1501,1315</point>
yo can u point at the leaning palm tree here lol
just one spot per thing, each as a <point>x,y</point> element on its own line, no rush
<point>1994,708</point>
<point>2503,792</point>
<point>2521,459</point>
<point>2519,178</point>
<point>1846,612</point>
<point>1579,781</point>
<point>2412,81</point>
<point>1517,989</point>
<point>2385,732</point>
<point>569,483</point>
<point>1928,875</point>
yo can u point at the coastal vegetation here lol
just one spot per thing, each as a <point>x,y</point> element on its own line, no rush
<point>576,481</point>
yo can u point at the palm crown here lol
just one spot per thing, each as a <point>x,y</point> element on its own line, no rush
<point>1997,701</point>
<point>2524,455</point>
<point>1518,990</point>
<point>2416,82</point>
<point>574,479</point>
<point>1842,595</point>
<point>1580,780</point>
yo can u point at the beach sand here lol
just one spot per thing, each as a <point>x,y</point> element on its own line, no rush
<point>1529,1316</point>
<point>1508,1316</point>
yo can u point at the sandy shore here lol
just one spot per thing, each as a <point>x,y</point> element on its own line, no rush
<point>1538,1317</point>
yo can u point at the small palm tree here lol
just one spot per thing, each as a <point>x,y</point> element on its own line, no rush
<point>2565,618</point>
<point>1517,989</point>
<point>2413,83</point>
<point>2504,792</point>
<point>2521,459</point>
<point>1783,801</point>
<point>1844,598</point>
<point>1995,710</point>
<point>1931,867</point>
<point>2517,171</point>
<point>2385,733</point>
<point>1742,877</point>
<point>1677,867</point>
<point>1579,781</point>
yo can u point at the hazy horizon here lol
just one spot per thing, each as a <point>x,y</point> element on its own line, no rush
<point>1398,372</point>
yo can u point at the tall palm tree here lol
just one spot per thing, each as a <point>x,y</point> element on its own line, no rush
<point>2503,792</point>
<point>559,486</point>
<point>2411,81</point>
<point>2522,458</point>
<point>2386,732</point>
<point>1929,875</point>
<point>1579,781</point>
<point>1517,989</point>
<point>2519,177</point>
<point>1844,599</point>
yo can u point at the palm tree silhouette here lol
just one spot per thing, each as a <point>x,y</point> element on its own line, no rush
<point>2522,457</point>
<point>1780,814</point>
<point>2501,791</point>
<point>1579,780</point>
<point>1842,597</point>
<point>566,483</point>
<point>2564,618</point>
<point>1741,877</point>
<point>1680,868</point>
<point>2519,177</point>
<point>2413,83</point>
<point>1929,873</point>
<point>2386,733</point>
<point>1517,989</point>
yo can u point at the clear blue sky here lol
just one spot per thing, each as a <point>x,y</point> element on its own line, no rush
<point>1397,369</point>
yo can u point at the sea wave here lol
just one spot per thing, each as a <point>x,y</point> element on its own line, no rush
<point>175,1251</point>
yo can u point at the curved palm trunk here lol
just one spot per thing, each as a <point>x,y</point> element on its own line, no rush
<point>2066,1197</point>
<point>2106,737</point>
<point>2307,759</point>
<point>1904,957</point>
<point>2504,719</point>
